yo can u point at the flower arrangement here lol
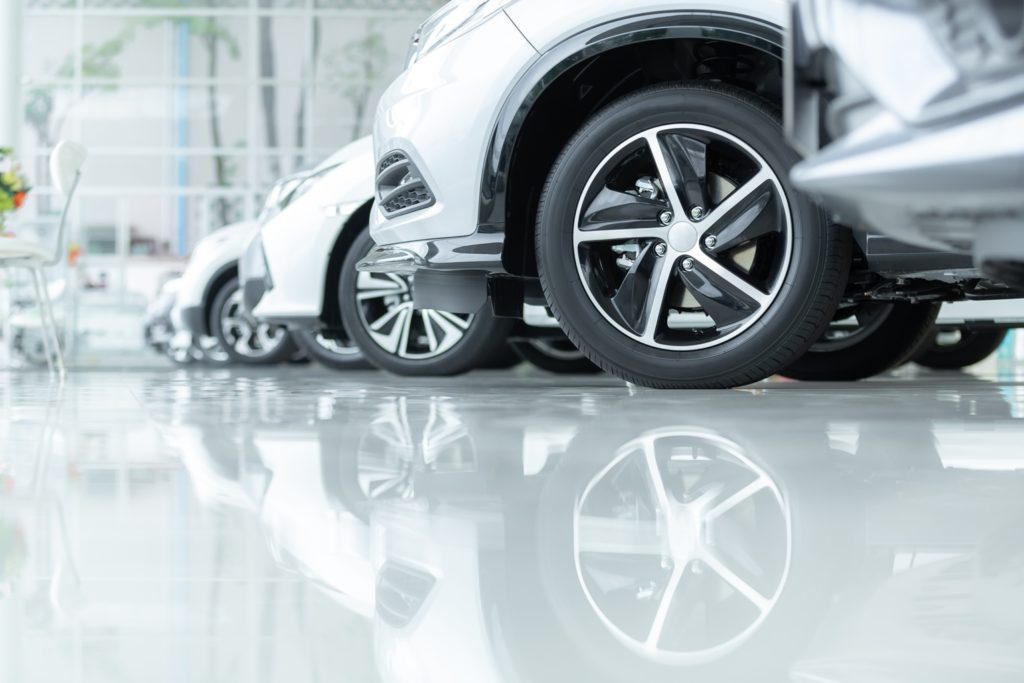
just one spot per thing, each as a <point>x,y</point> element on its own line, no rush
<point>13,185</point>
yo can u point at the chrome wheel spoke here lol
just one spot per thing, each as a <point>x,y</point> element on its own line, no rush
<point>373,286</point>
<point>661,162</point>
<point>735,219</point>
<point>725,278</point>
<point>391,341</point>
<point>620,235</point>
<point>640,299</point>
<point>725,299</point>
<point>617,210</point>
<point>688,157</point>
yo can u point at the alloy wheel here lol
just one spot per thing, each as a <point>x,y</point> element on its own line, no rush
<point>247,336</point>
<point>682,237</point>
<point>388,314</point>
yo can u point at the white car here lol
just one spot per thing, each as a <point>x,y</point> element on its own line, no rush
<point>299,270</point>
<point>624,163</point>
<point>209,310</point>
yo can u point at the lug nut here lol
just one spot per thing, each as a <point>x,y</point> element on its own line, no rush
<point>710,241</point>
<point>660,249</point>
<point>666,217</point>
<point>697,213</point>
<point>688,264</point>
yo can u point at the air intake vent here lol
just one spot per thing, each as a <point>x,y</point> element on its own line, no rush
<point>400,186</point>
<point>401,592</point>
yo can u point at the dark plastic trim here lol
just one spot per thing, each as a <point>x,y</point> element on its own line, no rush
<point>589,43</point>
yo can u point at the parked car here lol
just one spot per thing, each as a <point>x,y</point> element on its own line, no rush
<point>299,270</point>
<point>928,150</point>
<point>624,163</point>
<point>209,311</point>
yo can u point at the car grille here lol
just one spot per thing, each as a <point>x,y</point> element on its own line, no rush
<point>401,188</point>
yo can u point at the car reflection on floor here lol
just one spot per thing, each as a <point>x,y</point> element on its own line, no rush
<point>764,535</point>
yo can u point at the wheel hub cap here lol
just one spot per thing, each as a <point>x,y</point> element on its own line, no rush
<point>682,237</point>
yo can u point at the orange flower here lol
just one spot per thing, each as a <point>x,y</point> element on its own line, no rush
<point>19,199</point>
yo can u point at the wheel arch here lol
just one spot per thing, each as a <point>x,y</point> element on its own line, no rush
<point>569,84</point>
<point>330,312</point>
<point>220,278</point>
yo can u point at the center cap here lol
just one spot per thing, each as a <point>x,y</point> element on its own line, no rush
<point>682,237</point>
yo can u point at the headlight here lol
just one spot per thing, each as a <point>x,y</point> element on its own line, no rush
<point>279,196</point>
<point>452,20</point>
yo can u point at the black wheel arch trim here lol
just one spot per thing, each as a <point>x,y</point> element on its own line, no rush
<point>641,28</point>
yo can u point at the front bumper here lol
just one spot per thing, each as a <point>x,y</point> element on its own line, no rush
<point>253,274</point>
<point>439,115</point>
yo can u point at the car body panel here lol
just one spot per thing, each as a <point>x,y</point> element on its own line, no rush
<point>210,258</point>
<point>298,241</point>
<point>433,112</point>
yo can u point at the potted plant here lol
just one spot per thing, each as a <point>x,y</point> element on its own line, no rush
<point>13,186</point>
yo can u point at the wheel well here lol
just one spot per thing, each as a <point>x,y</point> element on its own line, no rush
<point>356,223</point>
<point>219,280</point>
<point>578,93</point>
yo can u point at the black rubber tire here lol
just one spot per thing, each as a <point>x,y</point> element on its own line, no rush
<point>901,335</point>
<point>505,359</point>
<point>281,354</point>
<point>483,341</point>
<point>810,291</point>
<point>574,364</point>
<point>974,346</point>
<point>306,340</point>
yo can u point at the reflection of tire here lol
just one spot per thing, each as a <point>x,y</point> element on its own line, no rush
<point>334,351</point>
<point>378,312</point>
<point>554,355</point>
<point>880,337</point>
<point>969,347</point>
<point>727,293</point>
<point>245,339</point>
<point>605,615</point>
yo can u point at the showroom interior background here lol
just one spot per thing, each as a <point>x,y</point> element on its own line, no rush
<point>189,109</point>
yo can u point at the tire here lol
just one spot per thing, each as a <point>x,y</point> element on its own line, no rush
<point>244,339</point>
<point>337,353</point>
<point>972,347</point>
<point>896,333</point>
<point>468,342</point>
<point>557,356</point>
<point>800,259</point>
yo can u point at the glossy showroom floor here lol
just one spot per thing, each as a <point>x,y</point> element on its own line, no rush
<point>301,526</point>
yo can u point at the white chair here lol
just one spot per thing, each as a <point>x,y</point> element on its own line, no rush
<point>18,252</point>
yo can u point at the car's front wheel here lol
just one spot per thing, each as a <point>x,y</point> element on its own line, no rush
<point>673,249</point>
<point>379,314</point>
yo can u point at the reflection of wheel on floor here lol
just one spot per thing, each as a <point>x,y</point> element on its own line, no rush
<point>865,340</point>
<point>673,249</point>
<point>243,338</point>
<point>678,556</point>
<point>960,348</point>
<point>554,355</point>
<point>379,314</point>
<point>331,348</point>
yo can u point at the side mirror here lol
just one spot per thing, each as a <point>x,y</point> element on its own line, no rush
<point>65,163</point>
